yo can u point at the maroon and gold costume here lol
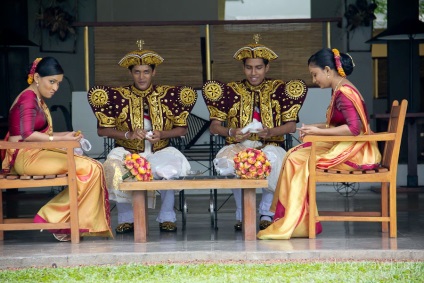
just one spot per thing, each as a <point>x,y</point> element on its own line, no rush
<point>123,107</point>
<point>234,103</point>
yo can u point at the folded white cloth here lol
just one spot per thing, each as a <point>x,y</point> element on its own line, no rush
<point>253,127</point>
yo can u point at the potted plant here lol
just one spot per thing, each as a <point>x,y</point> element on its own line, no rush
<point>359,18</point>
<point>56,20</point>
<point>360,14</point>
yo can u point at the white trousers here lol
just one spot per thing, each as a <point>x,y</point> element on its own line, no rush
<point>166,163</point>
<point>264,205</point>
<point>166,213</point>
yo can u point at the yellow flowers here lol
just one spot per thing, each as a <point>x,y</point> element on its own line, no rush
<point>252,164</point>
<point>138,168</point>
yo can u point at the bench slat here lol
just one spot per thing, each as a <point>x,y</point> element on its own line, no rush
<point>193,184</point>
<point>354,172</point>
<point>11,177</point>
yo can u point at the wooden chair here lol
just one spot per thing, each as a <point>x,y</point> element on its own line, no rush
<point>8,181</point>
<point>386,175</point>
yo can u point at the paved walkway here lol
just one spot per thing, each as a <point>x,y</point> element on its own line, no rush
<point>201,242</point>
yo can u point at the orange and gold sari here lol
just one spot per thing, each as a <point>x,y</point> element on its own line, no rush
<point>93,200</point>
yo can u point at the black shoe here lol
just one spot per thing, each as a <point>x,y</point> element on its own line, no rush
<point>125,228</point>
<point>167,226</point>
<point>263,224</point>
<point>238,226</point>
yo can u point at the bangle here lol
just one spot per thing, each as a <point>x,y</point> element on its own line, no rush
<point>229,131</point>
<point>51,138</point>
<point>125,135</point>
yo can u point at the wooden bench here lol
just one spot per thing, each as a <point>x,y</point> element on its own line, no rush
<point>140,189</point>
<point>8,181</point>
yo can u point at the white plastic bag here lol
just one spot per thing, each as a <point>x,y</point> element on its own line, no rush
<point>224,160</point>
<point>165,165</point>
<point>85,146</point>
<point>275,155</point>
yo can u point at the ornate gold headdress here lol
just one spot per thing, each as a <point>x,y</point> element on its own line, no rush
<point>255,50</point>
<point>140,57</point>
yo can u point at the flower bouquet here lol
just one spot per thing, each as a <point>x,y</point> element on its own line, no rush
<point>252,164</point>
<point>138,168</point>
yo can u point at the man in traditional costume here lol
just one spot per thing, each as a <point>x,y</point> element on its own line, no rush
<point>142,118</point>
<point>255,112</point>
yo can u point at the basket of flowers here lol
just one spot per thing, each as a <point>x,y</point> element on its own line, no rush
<point>252,163</point>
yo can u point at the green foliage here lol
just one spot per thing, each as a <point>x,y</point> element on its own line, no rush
<point>247,272</point>
<point>382,7</point>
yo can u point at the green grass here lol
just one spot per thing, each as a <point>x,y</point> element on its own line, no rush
<point>233,272</point>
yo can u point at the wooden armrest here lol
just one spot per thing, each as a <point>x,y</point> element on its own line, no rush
<point>47,144</point>
<point>383,136</point>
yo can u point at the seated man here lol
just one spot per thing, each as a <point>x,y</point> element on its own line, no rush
<point>257,113</point>
<point>142,118</point>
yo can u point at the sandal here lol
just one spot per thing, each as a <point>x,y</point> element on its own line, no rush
<point>62,237</point>
<point>238,226</point>
<point>263,224</point>
<point>167,226</point>
<point>124,228</point>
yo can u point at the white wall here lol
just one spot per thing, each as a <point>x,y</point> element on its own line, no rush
<point>314,107</point>
<point>83,119</point>
<point>267,9</point>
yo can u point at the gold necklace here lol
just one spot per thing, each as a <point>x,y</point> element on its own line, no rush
<point>337,86</point>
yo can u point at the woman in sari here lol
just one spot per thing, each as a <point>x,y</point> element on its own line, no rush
<point>346,115</point>
<point>30,121</point>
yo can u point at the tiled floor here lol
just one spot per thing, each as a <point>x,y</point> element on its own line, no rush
<point>200,241</point>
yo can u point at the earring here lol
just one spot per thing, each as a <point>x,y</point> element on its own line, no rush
<point>36,83</point>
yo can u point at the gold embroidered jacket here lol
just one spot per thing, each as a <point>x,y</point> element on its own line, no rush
<point>279,102</point>
<point>122,108</point>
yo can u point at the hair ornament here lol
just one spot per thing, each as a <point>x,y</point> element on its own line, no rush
<point>30,78</point>
<point>353,63</point>
<point>338,62</point>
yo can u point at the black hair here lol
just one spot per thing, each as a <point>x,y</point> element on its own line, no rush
<point>325,57</point>
<point>266,61</point>
<point>153,66</point>
<point>48,66</point>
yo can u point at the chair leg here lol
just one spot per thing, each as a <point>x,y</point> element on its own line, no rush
<point>1,215</point>
<point>384,206</point>
<point>183,208</point>
<point>312,209</point>
<point>73,206</point>
<point>393,212</point>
